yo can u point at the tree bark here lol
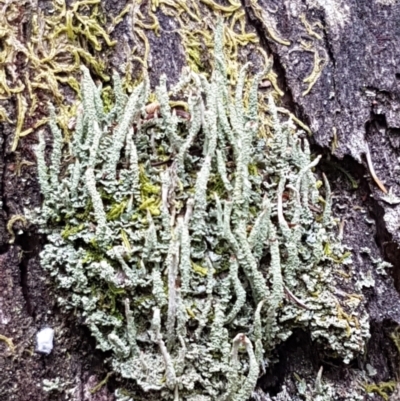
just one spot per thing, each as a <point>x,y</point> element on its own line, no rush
<point>352,109</point>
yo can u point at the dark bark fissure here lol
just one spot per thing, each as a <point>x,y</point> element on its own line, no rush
<point>3,236</point>
<point>385,240</point>
<point>277,65</point>
<point>29,248</point>
<point>270,47</point>
<point>298,353</point>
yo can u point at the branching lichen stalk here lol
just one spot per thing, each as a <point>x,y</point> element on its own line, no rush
<point>170,235</point>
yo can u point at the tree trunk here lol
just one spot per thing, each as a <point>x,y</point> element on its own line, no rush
<point>337,64</point>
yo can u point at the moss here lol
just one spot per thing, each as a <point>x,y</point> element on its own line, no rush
<point>11,223</point>
<point>84,216</point>
<point>110,299</point>
<point>101,383</point>
<point>8,342</point>
<point>395,336</point>
<point>70,230</point>
<point>351,179</point>
<point>116,210</point>
<point>107,95</point>
<point>92,254</point>
<point>203,271</point>
<point>339,260</point>
<point>57,46</point>
<point>384,389</point>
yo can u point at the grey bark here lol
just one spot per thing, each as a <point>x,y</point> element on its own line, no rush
<point>357,96</point>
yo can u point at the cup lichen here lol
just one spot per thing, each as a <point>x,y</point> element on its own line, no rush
<point>192,247</point>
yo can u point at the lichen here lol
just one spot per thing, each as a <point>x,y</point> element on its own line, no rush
<point>55,385</point>
<point>185,285</point>
<point>324,389</point>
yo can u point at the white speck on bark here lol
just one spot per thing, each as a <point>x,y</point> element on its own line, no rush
<point>44,340</point>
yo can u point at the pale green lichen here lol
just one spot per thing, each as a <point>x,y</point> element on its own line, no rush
<point>174,276</point>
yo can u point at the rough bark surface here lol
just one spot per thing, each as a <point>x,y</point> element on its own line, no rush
<point>355,99</point>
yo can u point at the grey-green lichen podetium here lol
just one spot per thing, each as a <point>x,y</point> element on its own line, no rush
<point>192,247</point>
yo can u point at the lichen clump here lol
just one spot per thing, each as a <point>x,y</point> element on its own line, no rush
<point>190,244</point>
